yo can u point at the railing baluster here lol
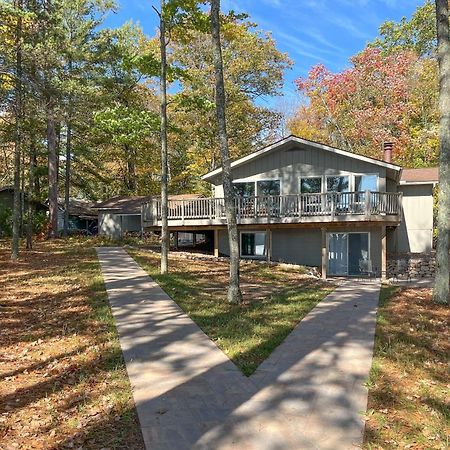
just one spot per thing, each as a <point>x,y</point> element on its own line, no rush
<point>277,206</point>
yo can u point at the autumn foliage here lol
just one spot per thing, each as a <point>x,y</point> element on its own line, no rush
<point>381,97</point>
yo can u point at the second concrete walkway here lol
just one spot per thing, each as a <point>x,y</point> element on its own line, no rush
<point>309,394</point>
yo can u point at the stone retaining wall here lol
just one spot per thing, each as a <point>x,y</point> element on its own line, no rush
<point>416,265</point>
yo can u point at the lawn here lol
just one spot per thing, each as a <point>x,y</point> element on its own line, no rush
<point>62,377</point>
<point>276,299</point>
<point>409,390</point>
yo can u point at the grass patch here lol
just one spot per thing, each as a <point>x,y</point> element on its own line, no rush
<point>408,386</point>
<point>276,299</point>
<point>62,379</point>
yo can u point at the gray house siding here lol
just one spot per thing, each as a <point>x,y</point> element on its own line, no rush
<point>303,246</point>
<point>114,225</point>
<point>109,224</point>
<point>297,246</point>
<point>415,232</point>
<point>301,161</point>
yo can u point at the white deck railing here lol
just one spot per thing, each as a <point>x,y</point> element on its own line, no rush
<point>279,206</point>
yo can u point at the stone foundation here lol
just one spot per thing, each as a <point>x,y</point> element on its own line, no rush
<point>416,265</point>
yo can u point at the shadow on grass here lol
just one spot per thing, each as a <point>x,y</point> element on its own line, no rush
<point>55,301</point>
<point>409,373</point>
<point>248,333</point>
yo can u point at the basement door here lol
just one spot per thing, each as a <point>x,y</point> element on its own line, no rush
<point>348,253</point>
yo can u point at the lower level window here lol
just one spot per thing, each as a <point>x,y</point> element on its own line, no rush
<point>253,244</point>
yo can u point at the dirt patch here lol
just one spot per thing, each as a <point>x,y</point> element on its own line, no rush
<point>62,377</point>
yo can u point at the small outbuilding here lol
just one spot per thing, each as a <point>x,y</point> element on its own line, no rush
<point>123,214</point>
<point>82,216</point>
<point>119,215</point>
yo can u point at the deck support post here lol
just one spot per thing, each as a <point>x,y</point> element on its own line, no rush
<point>383,253</point>
<point>324,253</point>
<point>216,242</point>
<point>269,244</point>
<point>175,235</point>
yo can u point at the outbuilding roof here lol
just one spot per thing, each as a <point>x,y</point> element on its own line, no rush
<point>122,204</point>
<point>420,176</point>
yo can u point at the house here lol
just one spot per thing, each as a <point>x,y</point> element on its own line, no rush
<point>7,200</point>
<point>122,214</point>
<point>302,202</point>
<point>82,217</point>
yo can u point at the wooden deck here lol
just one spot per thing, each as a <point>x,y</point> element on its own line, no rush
<point>336,207</point>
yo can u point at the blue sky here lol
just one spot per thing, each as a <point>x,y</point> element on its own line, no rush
<point>310,31</point>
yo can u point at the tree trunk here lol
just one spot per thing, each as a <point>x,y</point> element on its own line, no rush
<point>441,287</point>
<point>31,195</point>
<point>37,182</point>
<point>18,140</point>
<point>52,171</point>
<point>234,290</point>
<point>164,156</point>
<point>130,156</point>
<point>67,175</point>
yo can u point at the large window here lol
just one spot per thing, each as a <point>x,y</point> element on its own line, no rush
<point>244,189</point>
<point>312,185</point>
<point>366,183</point>
<point>268,187</point>
<point>338,184</point>
<point>253,244</point>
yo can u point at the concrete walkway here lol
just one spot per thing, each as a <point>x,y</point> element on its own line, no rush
<point>308,394</point>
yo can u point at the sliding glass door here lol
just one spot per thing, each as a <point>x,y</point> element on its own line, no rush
<point>337,254</point>
<point>348,253</point>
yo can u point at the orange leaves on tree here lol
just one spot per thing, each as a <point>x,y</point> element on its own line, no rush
<point>379,98</point>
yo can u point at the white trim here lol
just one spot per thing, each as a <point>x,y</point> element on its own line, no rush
<point>121,214</point>
<point>253,256</point>
<point>244,159</point>
<point>412,183</point>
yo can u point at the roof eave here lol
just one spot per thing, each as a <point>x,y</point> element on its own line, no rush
<point>404,182</point>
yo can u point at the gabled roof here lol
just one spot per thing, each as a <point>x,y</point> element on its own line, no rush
<point>295,139</point>
<point>78,207</point>
<point>122,204</point>
<point>428,175</point>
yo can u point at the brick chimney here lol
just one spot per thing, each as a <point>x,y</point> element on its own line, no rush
<point>387,151</point>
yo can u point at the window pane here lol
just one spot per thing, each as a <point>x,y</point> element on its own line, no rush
<point>248,244</point>
<point>366,183</point>
<point>268,187</point>
<point>358,253</point>
<point>337,184</point>
<point>311,185</point>
<point>337,254</point>
<point>253,244</point>
<point>260,244</point>
<point>244,189</point>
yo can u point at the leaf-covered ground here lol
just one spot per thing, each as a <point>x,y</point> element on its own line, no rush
<point>276,298</point>
<point>409,387</point>
<point>62,377</point>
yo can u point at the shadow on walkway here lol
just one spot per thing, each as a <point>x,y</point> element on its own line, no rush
<point>308,394</point>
